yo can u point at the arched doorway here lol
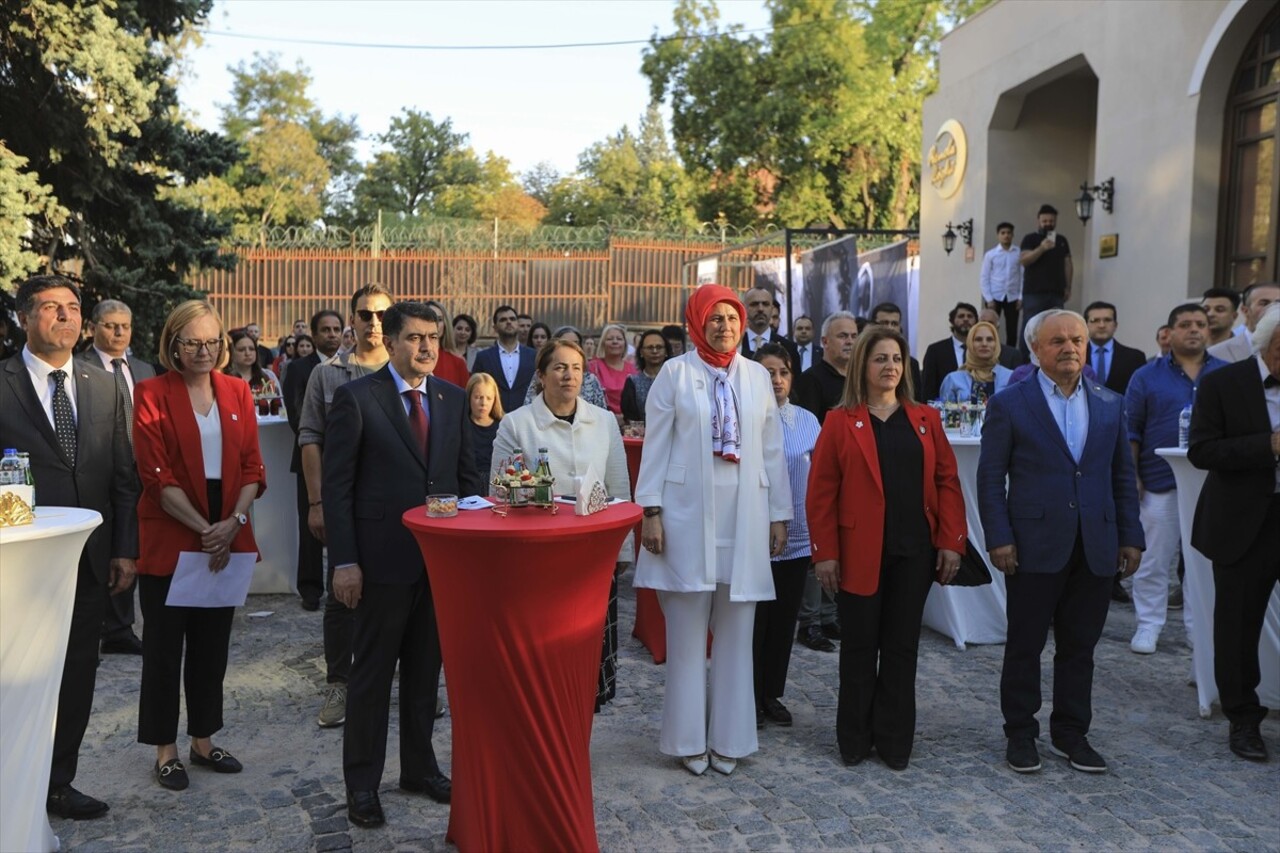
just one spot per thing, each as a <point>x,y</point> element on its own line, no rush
<point>1248,249</point>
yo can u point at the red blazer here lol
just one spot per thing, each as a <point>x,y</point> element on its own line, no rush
<point>845,504</point>
<point>451,368</point>
<point>166,444</point>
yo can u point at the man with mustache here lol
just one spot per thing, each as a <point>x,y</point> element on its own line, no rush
<point>1060,512</point>
<point>759,329</point>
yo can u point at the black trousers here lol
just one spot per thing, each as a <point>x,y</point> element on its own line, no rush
<point>310,549</point>
<point>775,628</point>
<point>339,626</point>
<point>1242,591</point>
<point>79,674</point>
<point>1076,601</point>
<point>118,614</point>
<point>1008,309</point>
<point>879,645</point>
<point>393,622</point>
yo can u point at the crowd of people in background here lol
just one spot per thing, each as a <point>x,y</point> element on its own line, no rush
<point>795,489</point>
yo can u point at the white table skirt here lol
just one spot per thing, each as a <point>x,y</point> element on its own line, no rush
<point>969,614</point>
<point>275,514</point>
<point>1199,596</point>
<point>38,567</point>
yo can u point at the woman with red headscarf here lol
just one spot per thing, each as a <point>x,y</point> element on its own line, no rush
<point>713,482</point>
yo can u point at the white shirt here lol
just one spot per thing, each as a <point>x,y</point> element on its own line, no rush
<point>1001,277</point>
<point>1273,405</point>
<point>111,368</point>
<point>402,386</point>
<point>510,362</point>
<point>806,356</point>
<point>210,427</point>
<point>39,371</point>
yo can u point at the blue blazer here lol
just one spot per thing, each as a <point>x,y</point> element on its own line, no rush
<point>1049,494</point>
<point>488,361</point>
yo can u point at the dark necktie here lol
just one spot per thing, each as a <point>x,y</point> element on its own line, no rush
<point>122,388</point>
<point>1100,364</point>
<point>64,422</point>
<point>1271,382</point>
<point>418,420</point>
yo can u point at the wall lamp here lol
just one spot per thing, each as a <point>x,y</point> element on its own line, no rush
<point>1106,193</point>
<point>949,236</point>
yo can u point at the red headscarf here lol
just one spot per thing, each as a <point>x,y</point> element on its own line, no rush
<point>701,303</point>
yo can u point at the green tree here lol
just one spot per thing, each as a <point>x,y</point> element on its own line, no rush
<point>819,118</point>
<point>539,180</point>
<point>494,194</point>
<point>94,145</point>
<point>422,157</point>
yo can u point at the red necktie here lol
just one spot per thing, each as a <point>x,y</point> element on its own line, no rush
<point>418,420</point>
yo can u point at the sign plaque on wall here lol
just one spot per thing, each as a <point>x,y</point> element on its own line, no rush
<point>1108,245</point>
<point>948,157</point>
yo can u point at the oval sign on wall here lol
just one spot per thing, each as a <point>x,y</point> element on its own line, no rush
<point>947,158</point>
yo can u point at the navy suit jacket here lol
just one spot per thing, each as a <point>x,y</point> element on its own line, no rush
<point>1125,362</point>
<point>1050,495</point>
<point>488,361</point>
<point>374,471</point>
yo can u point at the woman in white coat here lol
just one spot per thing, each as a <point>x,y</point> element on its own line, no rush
<point>713,482</point>
<point>577,435</point>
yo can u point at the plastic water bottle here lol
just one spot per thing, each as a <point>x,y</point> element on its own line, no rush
<point>1184,422</point>
<point>11,469</point>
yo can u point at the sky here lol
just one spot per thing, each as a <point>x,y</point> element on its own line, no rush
<point>526,105</point>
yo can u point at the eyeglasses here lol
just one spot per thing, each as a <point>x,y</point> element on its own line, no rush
<point>191,346</point>
<point>117,328</point>
<point>366,315</point>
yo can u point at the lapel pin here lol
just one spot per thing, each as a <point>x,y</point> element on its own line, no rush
<point>234,416</point>
<point>439,396</point>
<point>858,424</point>
<point>922,429</point>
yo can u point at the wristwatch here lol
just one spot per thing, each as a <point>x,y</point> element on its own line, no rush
<point>242,518</point>
<point>651,511</point>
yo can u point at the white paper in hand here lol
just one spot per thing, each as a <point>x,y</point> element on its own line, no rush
<point>193,585</point>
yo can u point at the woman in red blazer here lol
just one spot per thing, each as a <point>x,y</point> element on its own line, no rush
<point>886,518</point>
<point>195,437</point>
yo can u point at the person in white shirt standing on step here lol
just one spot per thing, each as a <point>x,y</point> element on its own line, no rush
<point>1001,281</point>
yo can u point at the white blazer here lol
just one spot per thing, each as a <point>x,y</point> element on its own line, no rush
<point>592,438</point>
<point>676,474</point>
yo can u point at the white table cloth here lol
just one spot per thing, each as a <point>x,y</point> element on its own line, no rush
<point>38,567</point>
<point>275,514</point>
<point>969,614</point>
<point>1199,595</point>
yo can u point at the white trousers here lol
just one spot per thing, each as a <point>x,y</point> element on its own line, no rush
<point>1159,514</point>
<point>696,717</point>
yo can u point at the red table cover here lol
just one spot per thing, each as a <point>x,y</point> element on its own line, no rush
<point>651,626</point>
<point>520,603</point>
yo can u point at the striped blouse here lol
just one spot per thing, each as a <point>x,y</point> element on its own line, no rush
<point>799,435</point>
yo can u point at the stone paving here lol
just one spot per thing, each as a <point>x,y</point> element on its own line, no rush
<point>1173,784</point>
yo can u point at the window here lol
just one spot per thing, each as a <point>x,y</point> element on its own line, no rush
<point>1251,166</point>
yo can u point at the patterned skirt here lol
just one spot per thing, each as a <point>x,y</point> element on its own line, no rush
<point>607,684</point>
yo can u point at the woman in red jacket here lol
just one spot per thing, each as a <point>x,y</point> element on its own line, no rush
<point>886,518</point>
<point>195,438</point>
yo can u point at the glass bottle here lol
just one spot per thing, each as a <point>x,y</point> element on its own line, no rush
<point>542,478</point>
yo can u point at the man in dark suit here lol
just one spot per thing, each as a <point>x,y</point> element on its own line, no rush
<point>112,330</point>
<point>889,314</point>
<point>807,345</point>
<point>1067,522</point>
<point>759,304</point>
<point>392,438</point>
<point>1235,436</point>
<point>1112,362</point>
<point>508,361</point>
<point>326,333</point>
<point>946,356</point>
<point>72,421</point>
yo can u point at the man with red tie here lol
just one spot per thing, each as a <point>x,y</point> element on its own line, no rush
<point>393,437</point>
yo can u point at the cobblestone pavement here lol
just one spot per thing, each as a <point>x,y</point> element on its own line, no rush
<point>1173,784</point>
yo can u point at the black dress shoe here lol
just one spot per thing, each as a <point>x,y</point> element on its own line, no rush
<point>776,711</point>
<point>437,787</point>
<point>853,759</point>
<point>128,644</point>
<point>895,763</point>
<point>65,801</point>
<point>310,604</point>
<point>219,759</point>
<point>813,637</point>
<point>831,630</point>
<point>171,775</point>
<point>365,809</point>
<point>1118,592</point>
<point>1246,742</point>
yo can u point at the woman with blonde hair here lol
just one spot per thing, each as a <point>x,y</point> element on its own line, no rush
<point>611,365</point>
<point>981,376</point>
<point>485,407</point>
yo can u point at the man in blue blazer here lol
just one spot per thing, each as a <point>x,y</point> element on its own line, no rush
<point>508,361</point>
<point>1066,525</point>
<point>391,438</point>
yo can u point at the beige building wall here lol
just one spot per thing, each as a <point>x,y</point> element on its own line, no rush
<point>1051,93</point>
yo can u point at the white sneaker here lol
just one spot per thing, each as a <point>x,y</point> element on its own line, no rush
<point>1144,641</point>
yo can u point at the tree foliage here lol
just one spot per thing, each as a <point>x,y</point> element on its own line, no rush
<point>94,147</point>
<point>818,119</point>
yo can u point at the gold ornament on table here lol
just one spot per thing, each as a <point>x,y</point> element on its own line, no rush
<point>516,485</point>
<point>14,511</point>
